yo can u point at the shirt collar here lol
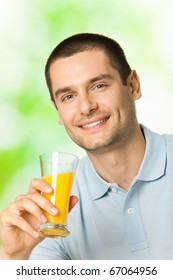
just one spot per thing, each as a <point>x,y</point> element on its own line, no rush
<point>154,161</point>
<point>152,167</point>
<point>99,187</point>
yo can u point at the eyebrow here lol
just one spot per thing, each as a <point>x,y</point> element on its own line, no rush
<point>89,81</point>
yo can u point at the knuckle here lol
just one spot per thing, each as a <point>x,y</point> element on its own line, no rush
<point>19,197</point>
<point>24,200</point>
<point>3,214</point>
<point>9,208</point>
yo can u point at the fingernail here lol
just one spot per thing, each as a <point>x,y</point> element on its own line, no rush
<point>48,189</point>
<point>54,210</point>
<point>35,233</point>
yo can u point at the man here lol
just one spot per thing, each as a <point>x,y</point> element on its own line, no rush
<point>123,188</point>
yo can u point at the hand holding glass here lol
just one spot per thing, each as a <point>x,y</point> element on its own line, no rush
<point>57,169</point>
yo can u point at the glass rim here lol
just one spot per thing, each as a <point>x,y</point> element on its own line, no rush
<point>49,153</point>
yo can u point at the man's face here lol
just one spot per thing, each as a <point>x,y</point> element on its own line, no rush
<point>96,109</point>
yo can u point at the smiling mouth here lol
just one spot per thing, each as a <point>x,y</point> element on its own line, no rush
<point>94,123</point>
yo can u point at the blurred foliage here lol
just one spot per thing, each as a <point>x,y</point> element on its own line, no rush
<point>29,30</point>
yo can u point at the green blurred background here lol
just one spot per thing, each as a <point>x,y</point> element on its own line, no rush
<point>29,30</point>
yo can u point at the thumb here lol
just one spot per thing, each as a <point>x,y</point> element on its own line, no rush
<point>73,201</point>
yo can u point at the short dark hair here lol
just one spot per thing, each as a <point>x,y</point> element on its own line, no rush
<point>89,41</point>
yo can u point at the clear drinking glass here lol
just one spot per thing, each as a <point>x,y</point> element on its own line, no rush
<point>58,170</point>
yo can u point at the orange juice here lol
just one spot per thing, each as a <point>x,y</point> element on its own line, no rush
<point>61,184</point>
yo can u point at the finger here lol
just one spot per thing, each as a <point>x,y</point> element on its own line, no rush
<point>40,185</point>
<point>73,202</point>
<point>38,200</point>
<point>18,221</point>
<point>26,205</point>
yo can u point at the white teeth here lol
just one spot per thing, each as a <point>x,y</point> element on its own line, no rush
<point>93,124</point>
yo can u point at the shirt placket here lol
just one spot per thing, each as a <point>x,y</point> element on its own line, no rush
<point>133,224</point>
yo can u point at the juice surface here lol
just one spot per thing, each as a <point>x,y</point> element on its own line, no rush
<point>60,197</point>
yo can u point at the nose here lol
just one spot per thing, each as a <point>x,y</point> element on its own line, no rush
<point>87,103</point>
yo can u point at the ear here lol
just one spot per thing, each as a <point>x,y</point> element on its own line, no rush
<point>133,83</point>
<point>60,120</point>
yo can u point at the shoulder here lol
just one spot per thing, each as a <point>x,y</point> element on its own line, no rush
<point>168,144</point>
<point>168,138</point>
<point>155,136</point>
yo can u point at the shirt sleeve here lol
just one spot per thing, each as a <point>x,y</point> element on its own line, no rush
<point>49,249</point>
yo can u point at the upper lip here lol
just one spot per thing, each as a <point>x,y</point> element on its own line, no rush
<point>96,119</point>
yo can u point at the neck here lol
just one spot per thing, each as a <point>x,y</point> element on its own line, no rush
<point>121,165</point>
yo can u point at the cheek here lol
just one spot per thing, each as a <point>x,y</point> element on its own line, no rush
<point>65,117</point>
<point>60,116</point>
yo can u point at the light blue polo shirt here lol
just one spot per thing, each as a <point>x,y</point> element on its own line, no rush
<point>110,223</point>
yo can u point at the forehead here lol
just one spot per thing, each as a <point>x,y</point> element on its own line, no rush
<point>79,67</point>
<point>80,60</point>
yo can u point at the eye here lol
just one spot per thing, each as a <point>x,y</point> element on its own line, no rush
<point>99,86</point>
<point>67,97</point>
